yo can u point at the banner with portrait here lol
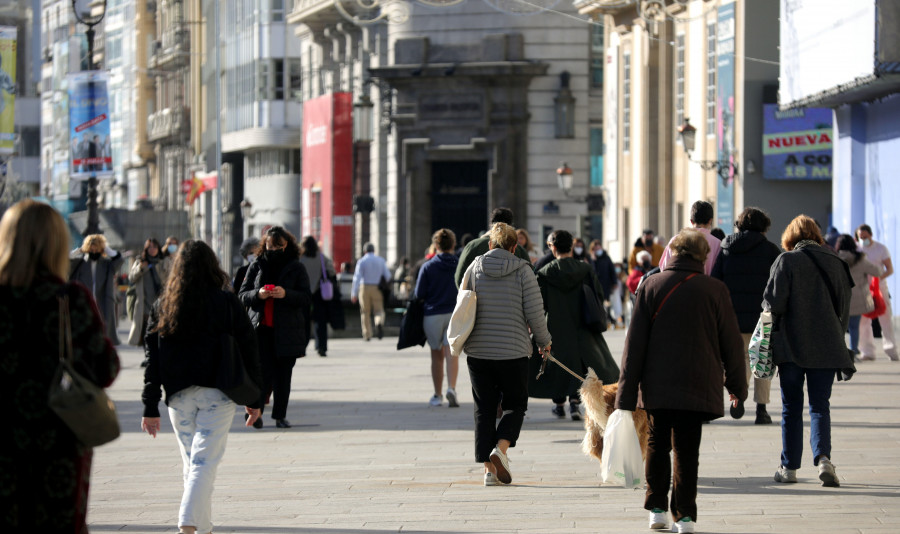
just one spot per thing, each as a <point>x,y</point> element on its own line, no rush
<point>7,89</point>
<point>89,129</point>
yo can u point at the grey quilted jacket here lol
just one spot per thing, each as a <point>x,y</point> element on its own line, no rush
<point>509,302</point>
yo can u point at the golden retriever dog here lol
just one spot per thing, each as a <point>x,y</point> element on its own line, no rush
<point>599,402</point>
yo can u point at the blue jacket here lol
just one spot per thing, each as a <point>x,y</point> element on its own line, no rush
<point>435,284</point>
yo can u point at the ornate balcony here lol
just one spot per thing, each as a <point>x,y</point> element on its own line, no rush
<point>172,50</point>
<point>168,124</point>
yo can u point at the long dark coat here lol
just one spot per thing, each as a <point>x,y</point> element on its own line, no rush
<point>573,344</point>
<point>105,290</point>
<point>289,322</point>
<point>45,470</point>
<point>808,330</point>
<point>676,361</point>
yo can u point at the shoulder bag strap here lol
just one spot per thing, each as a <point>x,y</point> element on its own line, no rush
<point>468,276</point>
<point>322,260</point>
<point>65,330</point>
<point>826,278</point>
<point>669,294</point>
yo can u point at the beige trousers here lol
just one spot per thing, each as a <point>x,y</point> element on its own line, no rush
<point>371,302</point>
<point>761,386</point>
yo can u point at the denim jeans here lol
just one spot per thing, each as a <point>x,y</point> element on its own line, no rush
<point>201,418</point>
<point>854,332</point>
<point>818,387</point>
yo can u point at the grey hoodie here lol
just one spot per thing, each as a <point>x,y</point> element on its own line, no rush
<point>509,302</point>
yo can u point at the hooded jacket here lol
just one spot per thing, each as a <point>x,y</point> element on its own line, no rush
<point>435,284</point>
<point>508,303</point>
<point>574,345</point>
<point>743,264</point>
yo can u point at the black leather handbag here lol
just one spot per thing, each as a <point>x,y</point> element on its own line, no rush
<point>594,315</point>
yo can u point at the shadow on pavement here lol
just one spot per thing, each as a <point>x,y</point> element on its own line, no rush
<point>280,530</point>
<point>809,486</point>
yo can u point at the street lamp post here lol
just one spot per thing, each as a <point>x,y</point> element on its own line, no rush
<point>93,220</point>
<point>688,135</point>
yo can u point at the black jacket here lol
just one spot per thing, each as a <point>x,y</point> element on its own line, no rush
<point>191,357</point>
<point>606,273</point>
<point>290,316</point>
<point>743,264</point>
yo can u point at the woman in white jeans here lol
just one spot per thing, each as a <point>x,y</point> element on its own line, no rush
<point>185,336</point>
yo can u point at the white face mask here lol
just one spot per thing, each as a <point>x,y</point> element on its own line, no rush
<point>598,252</point>
<point>866,242</point>
<point>578,250</point>
<point>251,258</point>
<point>172,249</point>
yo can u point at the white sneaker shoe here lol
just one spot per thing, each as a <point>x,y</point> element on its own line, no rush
<point>451,398</point>
<point>490,479</point>
<point>501,462</point>
<point>658,520</point>
<point>435,400</point>
<point>685,525</point>
<point>827,475</point>
<point>783,474</point>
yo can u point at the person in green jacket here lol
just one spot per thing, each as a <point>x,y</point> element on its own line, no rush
<point>479,246</point>
<point>577,347</point>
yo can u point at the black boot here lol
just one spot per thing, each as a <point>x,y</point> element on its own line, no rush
<point>762,416</point>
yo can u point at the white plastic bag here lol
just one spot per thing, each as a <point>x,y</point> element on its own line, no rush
<point>760,348</point>
<point>623,464</point>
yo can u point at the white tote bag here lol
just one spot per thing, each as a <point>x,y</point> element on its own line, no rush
<point>623,464</point>
<point>463,319</point>
<point>760,348</point>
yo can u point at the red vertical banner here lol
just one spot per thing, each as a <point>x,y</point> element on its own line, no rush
<point>328,174</point>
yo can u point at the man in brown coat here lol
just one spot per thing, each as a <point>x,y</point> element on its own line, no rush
<point>683,334</point>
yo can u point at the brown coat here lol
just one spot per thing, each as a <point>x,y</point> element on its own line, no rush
<point>683,358</point>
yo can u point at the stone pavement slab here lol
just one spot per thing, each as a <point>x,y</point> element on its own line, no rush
<point>367,454</point>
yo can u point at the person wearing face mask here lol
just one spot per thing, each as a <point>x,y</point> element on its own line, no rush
<point>643,266</point>
<point>605,270</point>
<point>95,265</point>
<point>147,276</point>
<point>646,243</point>
<point>878,254</point>
<point>171,246</point>
<point>248,252</point>
<point>579,251</point>
<point>276,291</point>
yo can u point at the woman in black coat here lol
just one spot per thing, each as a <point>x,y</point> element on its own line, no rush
<point>743,264</point>
<point>276,291</point>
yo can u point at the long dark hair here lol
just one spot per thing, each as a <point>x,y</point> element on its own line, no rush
<point>195,271</point>
<point>309,246</point>
<point>147,243</point>
<point>846,242</point>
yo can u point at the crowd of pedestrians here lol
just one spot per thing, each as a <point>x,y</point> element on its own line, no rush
<point>690,306</point>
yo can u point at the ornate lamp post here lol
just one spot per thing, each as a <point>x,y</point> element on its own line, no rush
<point>85,17</point>
<point>688,135</point>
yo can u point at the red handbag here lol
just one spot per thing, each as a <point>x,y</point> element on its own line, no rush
<point>880,306</point>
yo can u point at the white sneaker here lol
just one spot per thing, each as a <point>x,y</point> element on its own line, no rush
<point>435,400</point>
<point>658,520</point>
<point>827,475</point>
<point>501,462</point>
<point>685,525</point>
<point>490,479</point>
<point>783,474</point>
<point>451,398</point>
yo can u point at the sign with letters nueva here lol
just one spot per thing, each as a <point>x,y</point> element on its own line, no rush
<point>796,143</point>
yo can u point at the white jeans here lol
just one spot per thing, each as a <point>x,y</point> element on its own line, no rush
<point>867,339</point>
<point>201,418</point>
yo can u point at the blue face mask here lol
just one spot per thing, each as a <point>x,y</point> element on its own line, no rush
<point>172,249</point>
<point>866,242</point>
<point>618,270</point>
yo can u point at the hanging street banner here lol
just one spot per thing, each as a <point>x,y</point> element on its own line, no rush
<point>91,149</point>
<point>796,143</point>
<point>7,89</point>
<point>725,114</point>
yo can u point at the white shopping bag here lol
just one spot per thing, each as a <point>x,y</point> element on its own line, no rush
<point>623,464</point>
<point>760,348</point>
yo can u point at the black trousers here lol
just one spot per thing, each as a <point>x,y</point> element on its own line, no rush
<point>492,379</point>
<point>276,373</point>
<point>678,431</point>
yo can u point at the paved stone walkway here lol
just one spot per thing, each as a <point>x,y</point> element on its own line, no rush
<point>367,454</point>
